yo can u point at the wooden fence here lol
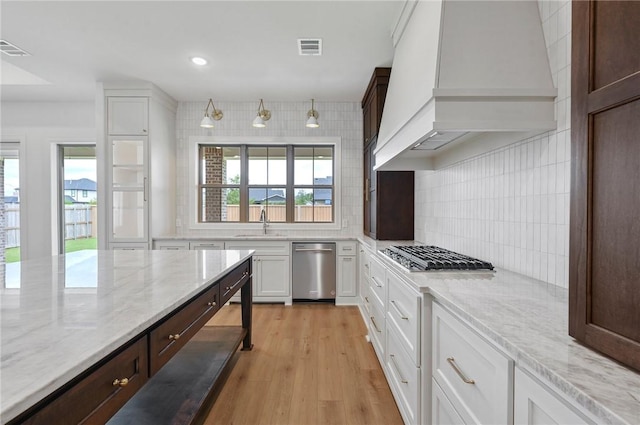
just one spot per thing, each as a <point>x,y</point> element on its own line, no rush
<point>80,222</point>
<point>277,213</point>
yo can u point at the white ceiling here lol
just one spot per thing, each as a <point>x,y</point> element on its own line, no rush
<point>251,47</point>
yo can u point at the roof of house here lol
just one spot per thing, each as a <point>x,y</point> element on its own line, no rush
<point>80,184</point>
<point>11,200</point>
<point>258,195</point>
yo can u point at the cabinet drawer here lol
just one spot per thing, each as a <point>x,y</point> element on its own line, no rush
<point>377,330</point>
<point>206,245</point>
<point>232,282</point>
<point>365,263</point>
<point>170,336</point>
<point>346,248</point>
<point>378,283</point>
<point>476,377</point>
<point>442,411</point>
<point>171,245</point>
<point>403,314</point>
<point>404,378</point>
<point>261,247</point>
<point>99,396</point>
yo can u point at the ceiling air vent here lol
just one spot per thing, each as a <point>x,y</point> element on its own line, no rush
<point>310,46</point>
<point>11,49</point>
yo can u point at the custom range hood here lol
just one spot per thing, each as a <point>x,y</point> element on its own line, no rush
<point>467,77</point>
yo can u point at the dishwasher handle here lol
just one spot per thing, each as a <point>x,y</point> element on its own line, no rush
<point>313,250</point>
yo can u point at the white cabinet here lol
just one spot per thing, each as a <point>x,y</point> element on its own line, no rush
<point>127,116</point>
<point>346,271</point>
<point>536,404</point>
<point>271,269</point>
<point>207,245</point>
<point>404,378</point>
<point>171,245</point>
<point>128,189</point>
<point>475,376</point>
<point>271,276</point>
<point>443,412</point>
<point>363,281</point>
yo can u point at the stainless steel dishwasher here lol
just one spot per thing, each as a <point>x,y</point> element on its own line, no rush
<point>314,271</point>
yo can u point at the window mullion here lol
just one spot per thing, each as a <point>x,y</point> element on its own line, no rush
<point>244,184</point>
<point>290,192</point>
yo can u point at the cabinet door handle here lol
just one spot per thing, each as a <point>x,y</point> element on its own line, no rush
<point>174,337</point>
<point>375,325</point>
<point>375,281</point>
<point>144,189</point>
<point>402,315</point>
<point>395,365</point>
<point>366,190</point>
<point>366,299</point>
<point>462,376</point>
<point>211,304</point>
<point>120,382</point>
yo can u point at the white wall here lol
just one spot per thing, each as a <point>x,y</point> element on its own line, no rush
<point>337,119</point>
<point>39,125</point>
<point>511,206</point>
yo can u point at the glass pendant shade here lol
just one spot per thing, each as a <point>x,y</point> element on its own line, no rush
<point>258,122</point>
<point>206,122</point>
<point>312,122</point>
<point>312,117</point>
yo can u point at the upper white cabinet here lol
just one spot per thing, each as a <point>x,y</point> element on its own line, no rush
<point>127,116</point>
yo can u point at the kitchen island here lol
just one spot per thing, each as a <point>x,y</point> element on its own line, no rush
<point>67,319</point>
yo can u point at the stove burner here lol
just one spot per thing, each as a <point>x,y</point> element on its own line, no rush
<point>425,257</point>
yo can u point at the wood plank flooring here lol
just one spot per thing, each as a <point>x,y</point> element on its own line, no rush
<point>310,365</point>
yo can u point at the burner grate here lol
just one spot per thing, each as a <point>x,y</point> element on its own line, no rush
<point>426,257</point>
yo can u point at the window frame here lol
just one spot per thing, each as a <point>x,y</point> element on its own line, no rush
<point>193,188</point>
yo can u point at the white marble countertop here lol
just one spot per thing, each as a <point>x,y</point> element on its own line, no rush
<point>60,315</point>
<point>528,319</point>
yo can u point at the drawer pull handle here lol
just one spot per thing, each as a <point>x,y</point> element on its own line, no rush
<point>375,325</point>
<point>375,281</point>
<point>395,365</point>
<point>366,299</point>
<point>455,367</point>
<point>402,315</point>
<point>120,382</point>
<point>211,304</point>
<point>174,337</point>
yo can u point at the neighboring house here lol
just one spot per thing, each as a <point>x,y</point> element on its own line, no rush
<point>11,200</point>
<point>274,196</point>
<point>322,196</point>
<point>81,190</point>
<point>69,200</point>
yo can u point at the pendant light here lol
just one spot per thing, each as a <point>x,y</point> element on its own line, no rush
<point>216,114</point>
<point>263,115</point>
<point>312,117</point>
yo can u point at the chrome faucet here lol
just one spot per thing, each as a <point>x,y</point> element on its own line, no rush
<point>263,220</point>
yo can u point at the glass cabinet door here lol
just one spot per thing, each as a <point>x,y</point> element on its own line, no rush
<point>129,198</point>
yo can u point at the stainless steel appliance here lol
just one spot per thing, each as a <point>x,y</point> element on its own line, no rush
<point>426,257</point>
<point>314,271</point>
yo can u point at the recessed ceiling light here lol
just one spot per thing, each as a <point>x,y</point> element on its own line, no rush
<point>199,61</point>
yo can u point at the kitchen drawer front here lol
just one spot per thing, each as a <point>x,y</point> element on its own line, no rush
<point>442,411</point>
<point>378,283</point>
<point>99,396</point>
<point>261,247</point>
<point>404,315</point>
<point>404,378</point>
<point>346,248</point>
<point>170,336</point>
<point>377,330</point>
<point>365,262</point>
<point>231,283</point>
<point>459,353</point>
<point>171,245</point>
<point>365,294</point>
<point>206,245</point>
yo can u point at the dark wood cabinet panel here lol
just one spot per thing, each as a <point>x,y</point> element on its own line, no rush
<point>604,288</point>
<point>388,195</point>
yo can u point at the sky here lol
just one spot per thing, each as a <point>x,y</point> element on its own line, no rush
<point>74,169</point>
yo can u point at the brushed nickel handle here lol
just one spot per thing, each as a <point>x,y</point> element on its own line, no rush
<point>395,365</point>
<point>462,376</point>
<point>120,382</point>
<point>366,299</point>
<point>375,325</point>
<point>375,280</point>
<point>402,315</point>
<point>174,337</point>
<point>211,304</point>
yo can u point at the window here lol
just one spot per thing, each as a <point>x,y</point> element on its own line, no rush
<point>73,193</point>
<point>85,194</point>
<point>290,183</point>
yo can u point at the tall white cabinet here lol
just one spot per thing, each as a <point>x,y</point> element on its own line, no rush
<point>139,175</point>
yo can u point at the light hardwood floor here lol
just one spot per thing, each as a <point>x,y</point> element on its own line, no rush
<point>310,365</point>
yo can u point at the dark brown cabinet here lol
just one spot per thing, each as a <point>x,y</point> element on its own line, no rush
<point>388,195</point>
<point>604,276</point>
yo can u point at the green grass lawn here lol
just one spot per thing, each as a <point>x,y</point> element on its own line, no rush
<point>11,255</point>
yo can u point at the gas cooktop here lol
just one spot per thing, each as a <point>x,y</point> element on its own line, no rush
<point>426,257</point>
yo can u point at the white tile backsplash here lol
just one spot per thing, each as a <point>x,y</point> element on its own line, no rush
<point>511,206</point>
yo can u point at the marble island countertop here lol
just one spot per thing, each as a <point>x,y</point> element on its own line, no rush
<point>60,315</point>
<point>258,236</point>
<point>528,319</point>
